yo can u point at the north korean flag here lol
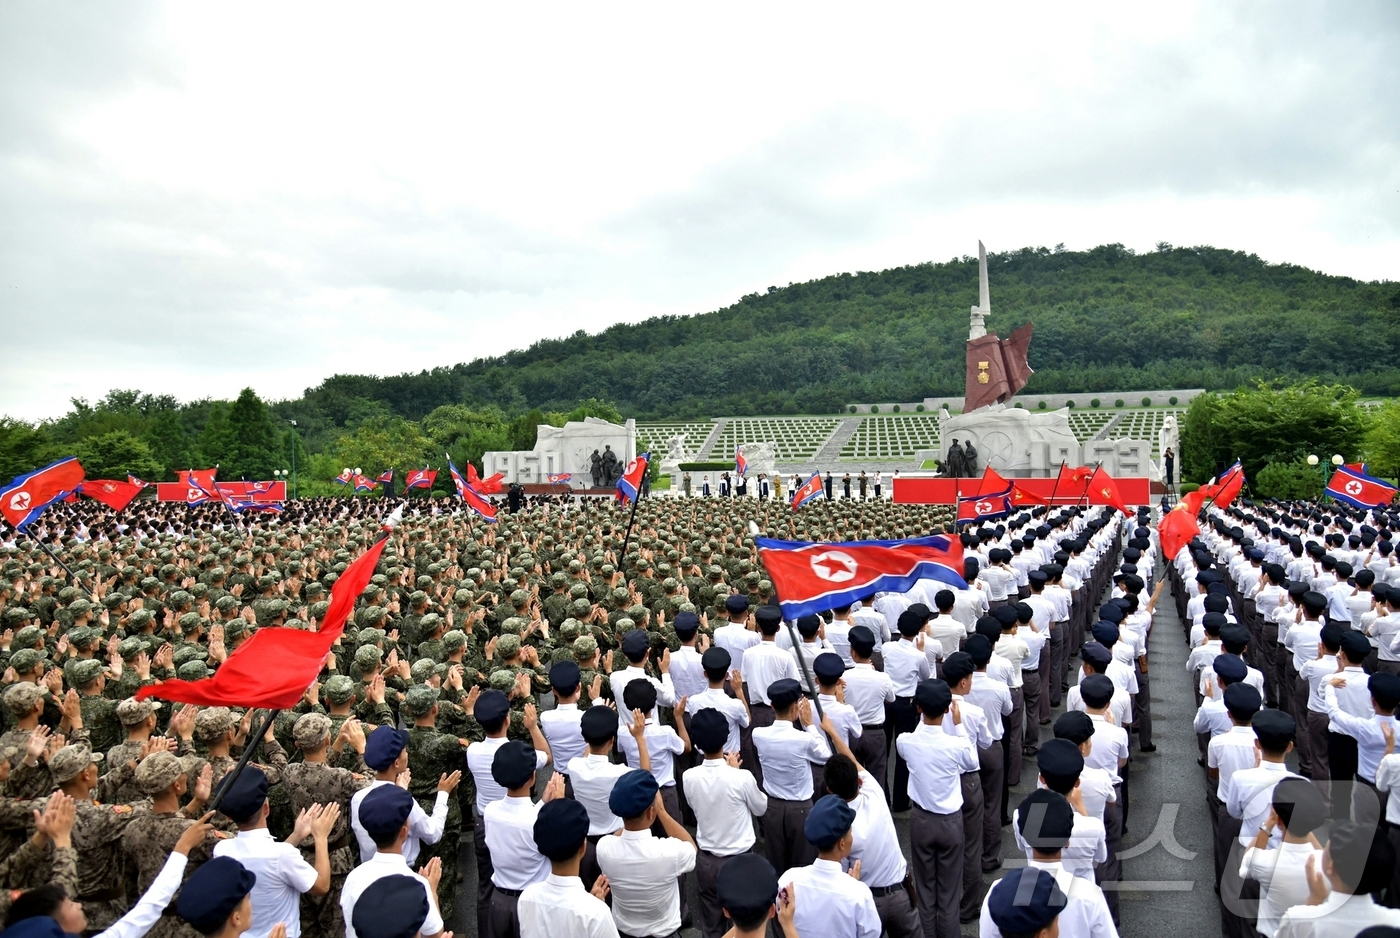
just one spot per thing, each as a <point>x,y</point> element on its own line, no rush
<point>558,477</point>
<point>111,492</point>
<point>741,465</point>
<point>420,479</point>
<point>386,476</point>
<point>135,481</point>
<point>1359,489</point>
<point>811,578</point>
<point>809,490</point>
<point>474,499</point>
<point>364,484</point>
<point>25,498</point>
<point>1223,492</point>
<point>983,507</point>
<point>204,478</point>
<point>195,492</point>
<point>345,478</point>
<point>631,482</point>
<point>260,488</point>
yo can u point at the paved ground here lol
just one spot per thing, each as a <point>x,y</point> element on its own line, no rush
<point>1168,883</point>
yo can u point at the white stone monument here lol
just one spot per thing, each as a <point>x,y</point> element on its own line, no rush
<point>675,453</point>
<point>760,458</point>
<point>567,449</point>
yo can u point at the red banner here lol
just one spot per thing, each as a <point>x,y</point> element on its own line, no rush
<point>246,491</point>
<point>935,490</point>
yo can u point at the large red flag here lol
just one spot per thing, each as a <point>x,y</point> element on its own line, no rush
<point>1177,529</point>
<point>111,492</point>
<point>28,495</point>
<point>1020,496</point>
<point>1103,490</point>
<point>1072,483</point>
<point>202,478</point>
<point>273,668</point>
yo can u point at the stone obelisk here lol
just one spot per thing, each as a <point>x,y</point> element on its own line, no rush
<point>996,368</point>
<point>983,309</point>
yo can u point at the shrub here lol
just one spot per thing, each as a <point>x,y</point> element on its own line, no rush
<point>1118,403</point>
<point>1041,405</point>
<point>1288,480</point>
<point>896,408</point>
<point>874,408</point>
<point>1020,406</point>
<point>1171,400</point>
<point>1186,487</point>
<point>853,408</point>
<point>1094,402</point>
<point>1069,403</point>
<point>919,408</point>
<point>1147,401</point>
<point>727,466</point>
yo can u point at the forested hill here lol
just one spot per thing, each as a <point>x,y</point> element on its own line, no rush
<point>1105,319</point>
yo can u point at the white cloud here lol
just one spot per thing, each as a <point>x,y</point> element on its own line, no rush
<point>195,198</point>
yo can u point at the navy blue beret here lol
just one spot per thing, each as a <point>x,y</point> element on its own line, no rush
<point>716,659</point>
<point>565,676</point>
<point>1095,654</point>
<point>861,638</point>
<point>213,891</point>
<point>737,604</point>
<point>491,706</point>
<point>245,795</point>
<point>686,622</point>
<point>1105,633</point>
<point>1230,667</point>
<point>635,643</point>
<point>632,794</point>
<point>829,667</point>
<point>561,828</point>
<point>746,885</point>
<point>1059,757</point>
<point>384,746</point>
<point>709,730</point>
<point>391,907</point>
<point>828,821</point>
<point>784,692</point>
<point>1024,901</point>
<point>385,809</point>
<point>1045,818</point>
<point>513,764</point>
<point>598,725</point>
<point>933,696</point>
<point>1096,690</point>
<point>957,666</point>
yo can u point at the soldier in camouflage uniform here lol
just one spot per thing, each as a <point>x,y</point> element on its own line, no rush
<point>432,754</point>
<point>25,703</point>
<point>310,782</point>
<point>138,718</point>
<point>99,711</point>
<point>556,606</point>
<point>150,836</point>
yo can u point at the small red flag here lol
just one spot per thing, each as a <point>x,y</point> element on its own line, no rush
<point>1177,529</point>
<point>111,492</point>
<point>1103,490</point>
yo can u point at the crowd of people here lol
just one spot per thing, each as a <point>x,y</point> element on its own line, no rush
<point>631,740</point>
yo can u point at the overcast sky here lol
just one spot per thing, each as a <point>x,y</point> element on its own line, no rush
<point>197,197</point>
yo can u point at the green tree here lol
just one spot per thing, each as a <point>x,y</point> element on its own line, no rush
<point>1288,480</point>
<point>1263,425</point>
<point>23,448</point>
<point>170,444</point>
<point>217,446</point>
<point>113,455</point>
<point>466,433</point>
<point>382,443</point>
<point>256,442</point>
<point>523,430</point>
<point>1382,446</point>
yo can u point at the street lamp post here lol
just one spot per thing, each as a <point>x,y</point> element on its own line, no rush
<point>294,457</point>
<point>1313,461</point>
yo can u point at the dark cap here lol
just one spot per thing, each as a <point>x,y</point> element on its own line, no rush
<point>828,821</point>
<point>709,730</point>
<point>513,764</point>
<point>957,666</point>
<point>632,794</point>
<point>1230,668</point>
<point>769,619</point>
<point>829,667</point>
<point>736,604</point>
<point>746,885</point>
<point>1024,901</point>
<point>384,746</point>
<point>561,828</point>
<point>809,625</point>
<point>933,696</point>
<point>1075,726</point>
<point>1111,612</point>
<point>784,692</point>
<point>1243,699</point>
<point>910,622</point>
<point>1105,633</point>
<point>491,706</point>
<point>1096,654</point>
<point>564,676</point>
<point>1274,729</point>
<point>635,643</point>
<point>1045,819</point>
<point>716,659</point>
<point>391,907</point>
<point>979,649</point>
<point>639,695</point>
<point>1059,758</point>
<point>384,810</point>
<point>212,892</point>
<point>685,623</point>
<point>1005,616</point>
<point>1355,646</point>
<point>598,725</point>
<point>1096,690</point>
<point>1314,602</point>
<point>861,639</point>
<point>1385,687</point>
<point>1038,577</point>
<point>244,795</point>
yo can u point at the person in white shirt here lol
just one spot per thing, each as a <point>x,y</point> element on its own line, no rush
<point>1297,809</point>
<point>1060,764</point>
<point>736,635</point>
<point>725,799</point>
<point>875,843</point>
<point>664,744</point>
<point>384,815</point>
<point>1355,864</point>
<point>812,643</point>
<point>938,760</point>
<point>687,672</point>
<point>1098,793</point>
<point>636,647</point>
<point>510,826</point>
<point>643,870</point>
<point>283,875</point>
<point>947,633</point>
<point>560,725</point>
<point>594,775</point>
<point>869,692</point>
<point>907,665</point>
<point>1027,901</point>
<point>762,665</point>
<point>735,709</point>
<point>829,671</point>
<point>838,632</point>
<point>559,906</point>
<point>834,904</point>
<point>788,754</point>
<point>214,901</point>
<point>386,752</point>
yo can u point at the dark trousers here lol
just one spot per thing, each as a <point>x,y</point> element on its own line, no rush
<point>972,811</point>
<point>992,774</point>
<point>1318,750</point>
<point>1058,648</point>
<point>1013,735</point>
<point>905,718</point>
<point>1111,870</point>
<point>871,750</point>
<point>1269,656</point>
<point>936,848</point>
<point>759,715</point>
<point>484,869</point>
<point>1142,707</point>
<point>505,922</point>
<point>1036,701</point>
<point>713,923</point>
<point>1341,760</point>
<point>785,842</point>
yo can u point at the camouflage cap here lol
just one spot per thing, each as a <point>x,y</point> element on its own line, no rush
<point>26,660</point>
<point>21,699</point>
<point>129,648</point>
<point>213,722</point>
<point>502,679</point>
<point>417,598</point>
<point>579,591</point>
<point>370,636</point>
<point>236,628</point>
<point>276,607</point>
<point>180,598</point>
<point>85,671</point>
<point>28,636</point>
<point>193,671</point>
<point>16,614</point>
<point>607,569</point>
<point>626,624</point>
<point>419,700</point>
<point>581,608</point>
<point>569,630</point>
<point>508,645</point>
<point>81,637</point>
<point>558,579</point>
<point>670,585</point>
<point>188,653</point>
<point>158,771</point>
<point>266,582</point>
<point>80,607</point>
<point>585,647</point>
<point>375,614</point>
<point>368,657</point>
<point>422,670</point>
<point>319,609</point>
<point>514,625</point>
<point>462,598</point>
<point>311,731</point>
<point>339,689</point>
<point>140,617</point>
<point>69,762</point>
<point>132,711</point>
<point>454,639</point>
<point>519,598</point>
<point>68,594</point>
<point>429,622</point>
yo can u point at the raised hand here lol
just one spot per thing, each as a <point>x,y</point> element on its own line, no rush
<point>38,742</point>
<point>446,783</point>
<point>601,888</point>
<point>194,835</point>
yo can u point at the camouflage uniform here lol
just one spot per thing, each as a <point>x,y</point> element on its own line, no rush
<point>432,754</point>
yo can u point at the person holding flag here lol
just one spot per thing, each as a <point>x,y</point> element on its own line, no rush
<point>809,490</point>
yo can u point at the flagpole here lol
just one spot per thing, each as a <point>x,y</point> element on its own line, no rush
<point>1056,487</point>
<point>1085,497</point>
<point>66,569</point>
<point>626,538</point>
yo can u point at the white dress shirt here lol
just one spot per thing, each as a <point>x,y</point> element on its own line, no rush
<point>687,675</point>
<point>874,840</point>
<point>936,763</point>
<point>1370,742</point>
<point>283,875</point>
<point>423,828</point>
<point>560,727</point>
<point>376,868</point>
<point>725,801</point>
<point>663,745</point>
<point>733,709</point>
<point>1230,752</point>
<point>1341,915</point>
<point>842,716</point>
<point>593,777</point>
<point>787,754</point>
<point>559,907</point>
<point>735,639</point>
<point>1088,844</point>
<point>867,691</point>
<point>1282,877</point>
<point>831,903</point>
<point>510,836</point>
<point>618,680</point>
<point>1085,914</point>
<point>763,664</point>
<point>906,666</point>
<point>479,758</point>
<point>642,871</point>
